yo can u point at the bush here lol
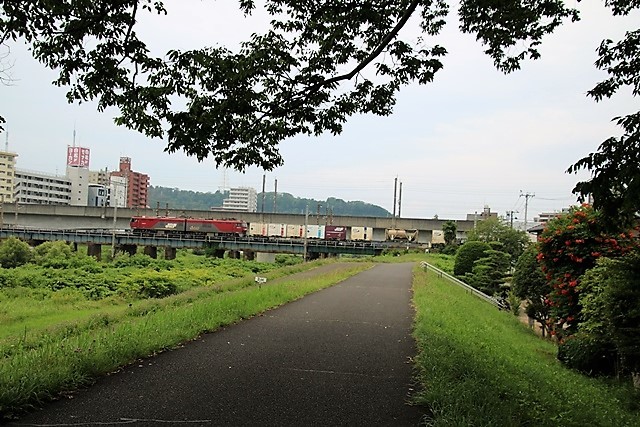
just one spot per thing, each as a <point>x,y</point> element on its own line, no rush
<point>468,254</point>
<point>14,253</point>
<point>152,284</point>
<point>286,259</point>
<point>53,254</point>
<point>588,354</point>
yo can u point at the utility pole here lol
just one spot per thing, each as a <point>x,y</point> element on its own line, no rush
<point>264,180</point>
<point>510,216</point>
<point>306,225</point>
<point>275,196</point>
<point>526,196</point>
<point>395,192</point>
<point>400,200</point>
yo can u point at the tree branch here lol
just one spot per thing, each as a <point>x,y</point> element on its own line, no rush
<point>373,55</point>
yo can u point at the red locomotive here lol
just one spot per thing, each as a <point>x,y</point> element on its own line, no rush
<point>163,226</point>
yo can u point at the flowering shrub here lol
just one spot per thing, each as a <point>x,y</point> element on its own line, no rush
<point>569,246</point>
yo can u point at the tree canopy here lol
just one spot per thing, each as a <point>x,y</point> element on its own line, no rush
<point>316,65</point>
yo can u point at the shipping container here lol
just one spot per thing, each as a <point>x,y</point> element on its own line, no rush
<point>362,233</point>
<point>315,231</point>
<point>335,232</point>
<point>295,230</point>
<point>277,230</point>
<point>257,229</point>
<point>437,237</point>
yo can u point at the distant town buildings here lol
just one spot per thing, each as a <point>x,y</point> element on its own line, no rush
<point>78,187</point>
<point>137,184</point>
<point>544,217</point>
<point>241,199</point>
<point>485,214</point>
<point>7,175</point>
<point>41,188</point>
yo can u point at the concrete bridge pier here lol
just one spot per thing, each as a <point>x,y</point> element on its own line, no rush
<point>219,253</point>
<point>265,257</point>
<point>94,250</point>
<point>233,254</point>
<point>169,253</point>
<point>151,251</point>
<point>129,249</point>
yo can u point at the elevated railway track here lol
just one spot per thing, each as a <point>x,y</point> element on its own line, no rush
<point>126,240</point>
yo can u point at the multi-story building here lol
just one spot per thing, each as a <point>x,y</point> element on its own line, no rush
<point>78,173</point>
<point>99,177</point>
<point>98,195</point>
<point>7,175</point>
<point>41,188</point>
<point>117,191</point>
<point>137,184</point>
<point>241,199</point>
<point>485,214</point>
<point>544,217</point>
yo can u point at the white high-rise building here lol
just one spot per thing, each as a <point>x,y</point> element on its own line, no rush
<point>41,188</point>
<point>241,199</point>
<point>7,175</point>
<point>78,174</point>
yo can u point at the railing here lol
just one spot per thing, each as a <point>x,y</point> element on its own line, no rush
<point>425,265</point>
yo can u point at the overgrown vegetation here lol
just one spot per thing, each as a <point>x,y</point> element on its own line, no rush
<point>480,366</point>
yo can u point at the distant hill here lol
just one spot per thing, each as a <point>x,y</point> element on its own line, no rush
<point>286,203</point>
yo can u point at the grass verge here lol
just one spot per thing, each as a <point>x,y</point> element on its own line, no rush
<point>71,355</point>
<point>480,366</point>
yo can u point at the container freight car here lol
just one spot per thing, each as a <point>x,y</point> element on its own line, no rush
<point>277,230</point>
<point>295,231</point>
<point>315,231</point>
<point>335,232</point>
<point>401,234</point>
<point>163,226</point>
<point>362,233</point>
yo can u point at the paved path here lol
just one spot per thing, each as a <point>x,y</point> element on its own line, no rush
<point>336,357</point>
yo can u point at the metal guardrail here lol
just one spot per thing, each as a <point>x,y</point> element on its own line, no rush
<point>425,265</point>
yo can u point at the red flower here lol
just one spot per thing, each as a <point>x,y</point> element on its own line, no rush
<point>573,283</point>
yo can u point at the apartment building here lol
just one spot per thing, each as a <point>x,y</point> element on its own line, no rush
<point>41,188</point>
<point>137,184</point>
<point>241,199</point>
<point>7,176</point>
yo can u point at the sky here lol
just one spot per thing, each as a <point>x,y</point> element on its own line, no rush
<point>472,138</point>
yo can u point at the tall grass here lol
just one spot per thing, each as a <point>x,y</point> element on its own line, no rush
<point>480,367</point>
<point>72,354</point>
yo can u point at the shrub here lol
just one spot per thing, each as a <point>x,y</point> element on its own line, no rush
<point>152,284</point>
<point>468,254</point>
<point>14,253</point>
<point>588,354</point>
<point>569,246</point>
<point>530,284</point>
<point>53,254</point>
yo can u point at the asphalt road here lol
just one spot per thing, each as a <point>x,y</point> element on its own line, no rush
<point>336,357</point>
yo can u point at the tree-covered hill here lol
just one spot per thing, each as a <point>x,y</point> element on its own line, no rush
<point>286,203</point>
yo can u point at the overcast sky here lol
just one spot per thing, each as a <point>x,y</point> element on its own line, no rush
<point>473,137</point>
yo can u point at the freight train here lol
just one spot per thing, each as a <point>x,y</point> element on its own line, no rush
<point>170,226</point>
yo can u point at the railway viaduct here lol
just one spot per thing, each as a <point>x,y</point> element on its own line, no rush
<point>66,219</point>
<point>100,218</point>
